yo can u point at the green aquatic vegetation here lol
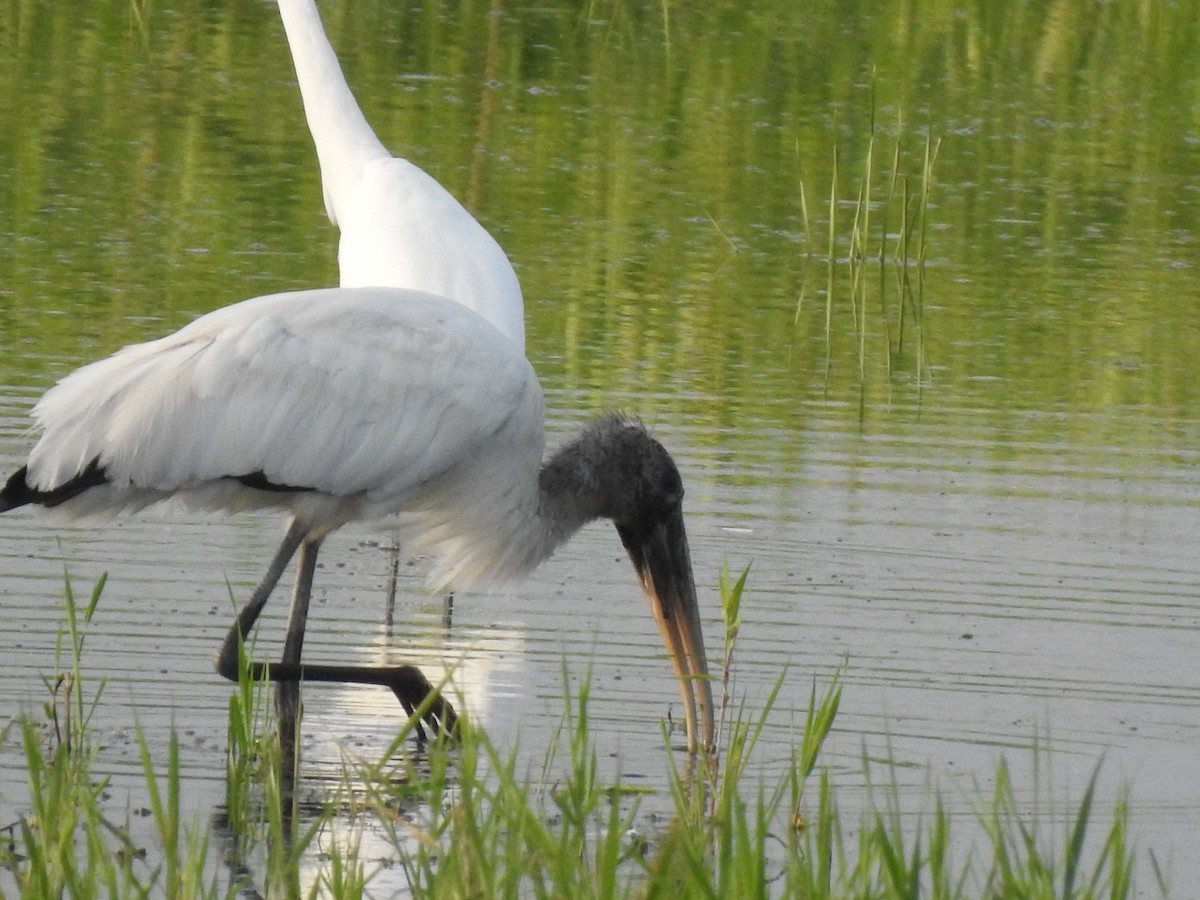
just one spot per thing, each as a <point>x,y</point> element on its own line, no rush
<point>68,711</point>
<point>888,226</point>
<point>69,843</point>
<point>469,818</point>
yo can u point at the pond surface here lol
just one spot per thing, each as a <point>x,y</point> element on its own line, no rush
<point>970,487</point>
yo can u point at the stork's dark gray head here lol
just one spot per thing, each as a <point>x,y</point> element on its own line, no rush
<point>637,482</point>
<point>617,471</point>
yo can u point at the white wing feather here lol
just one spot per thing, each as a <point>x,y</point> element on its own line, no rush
<point>378,400</point>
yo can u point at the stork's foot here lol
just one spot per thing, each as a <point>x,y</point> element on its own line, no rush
<point>413,689</point>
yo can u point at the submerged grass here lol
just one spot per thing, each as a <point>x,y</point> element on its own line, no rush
<point>471,819</point>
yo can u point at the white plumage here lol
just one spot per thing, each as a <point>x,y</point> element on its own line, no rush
<point>399,227</point>
<point>377,399</point>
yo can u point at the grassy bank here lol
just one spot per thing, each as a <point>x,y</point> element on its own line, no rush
<point>468,818</point>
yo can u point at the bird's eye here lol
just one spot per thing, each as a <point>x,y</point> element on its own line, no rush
<point>672,488</point>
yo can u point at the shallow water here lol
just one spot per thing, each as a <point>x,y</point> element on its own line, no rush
<point>988,528</point>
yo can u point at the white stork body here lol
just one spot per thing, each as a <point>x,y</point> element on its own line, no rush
<point>375,400</point>
<point>399,227</point>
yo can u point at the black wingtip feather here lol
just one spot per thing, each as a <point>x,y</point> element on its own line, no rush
<point>260,482</point>
<point>18,492</point>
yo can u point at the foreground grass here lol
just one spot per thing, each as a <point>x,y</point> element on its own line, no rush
<point>471,823</point>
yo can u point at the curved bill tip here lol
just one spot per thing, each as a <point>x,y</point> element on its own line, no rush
<point>664,568</point>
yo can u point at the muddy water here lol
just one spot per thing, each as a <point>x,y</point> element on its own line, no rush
<point>981,511</point>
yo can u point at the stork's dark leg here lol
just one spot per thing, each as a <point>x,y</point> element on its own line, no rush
<point>287,693</point>
<point>227,659</point>
<point>294,642</point>
<point>407,682</point>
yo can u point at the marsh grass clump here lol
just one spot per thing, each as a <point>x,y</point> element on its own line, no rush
<point>885,228</point>
<point>470,818</point>
<point>69,843</point>
<point>560,831</point>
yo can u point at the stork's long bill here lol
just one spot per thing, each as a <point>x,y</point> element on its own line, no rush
<point>664,568</point>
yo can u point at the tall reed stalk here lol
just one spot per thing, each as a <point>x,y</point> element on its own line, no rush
<point>890,224</point>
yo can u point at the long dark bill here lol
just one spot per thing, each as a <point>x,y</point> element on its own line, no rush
<point>664,567</point>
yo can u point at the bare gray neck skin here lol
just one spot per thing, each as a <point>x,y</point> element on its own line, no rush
<point>569,494</point>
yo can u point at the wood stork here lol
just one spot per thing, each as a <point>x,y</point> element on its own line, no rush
<point>399,227</point>
<point>356,403</point>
